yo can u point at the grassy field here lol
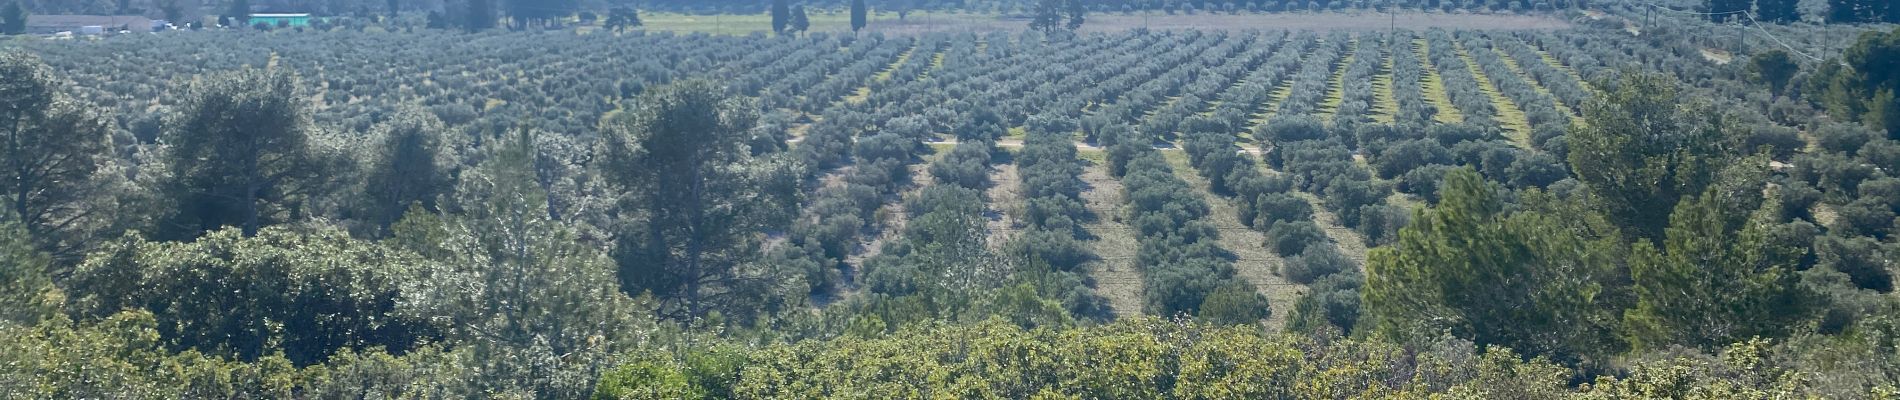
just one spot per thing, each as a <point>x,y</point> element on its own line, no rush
<point>1434,88</point>
<point>1114,272</point>
<point>1385,107</point>
<point>1336,87</point>
<point>1516,125</point>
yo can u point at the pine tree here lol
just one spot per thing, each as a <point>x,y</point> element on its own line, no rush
<point>240,153</point>
<point>1775,68</point>
<point>523,290</point>
<point>1718,278</point>
<point>682,157</point>
<point>27,294</point>
<point>411,166</point>
<point>622,18</point>
<point>1525,280</point>
<point>1846,11</point>
<point>50,147</point>
<point>1048,15</point>
<point>1781,11</point>
<point>1645,148</point>
<point>1075,13</point>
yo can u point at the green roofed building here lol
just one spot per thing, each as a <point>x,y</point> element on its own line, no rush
<point>281,19</point>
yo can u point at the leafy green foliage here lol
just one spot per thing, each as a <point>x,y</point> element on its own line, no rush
<point>304,296</point>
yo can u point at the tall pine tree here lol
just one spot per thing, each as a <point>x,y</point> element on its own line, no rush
<point>240,153</point>
<point>694,194</point>
<point>1718,278</point>
<point>1526,279</point>
<point>50,147</point>
<point>1782,11</point>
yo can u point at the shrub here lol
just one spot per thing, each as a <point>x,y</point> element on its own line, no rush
<point>1314,263</point>
<point>1276,208</point>
<point>1234,303</point>
<point>1289,238</point>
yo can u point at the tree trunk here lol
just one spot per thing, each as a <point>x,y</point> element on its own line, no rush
<point>694,247</point>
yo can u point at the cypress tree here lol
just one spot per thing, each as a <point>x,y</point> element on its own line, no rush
<point>857,15</point>
<point>781,15</point>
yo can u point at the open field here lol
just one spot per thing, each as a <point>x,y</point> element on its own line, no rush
<point>921,22</point>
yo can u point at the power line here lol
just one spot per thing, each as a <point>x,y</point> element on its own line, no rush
<point>1764,32</point>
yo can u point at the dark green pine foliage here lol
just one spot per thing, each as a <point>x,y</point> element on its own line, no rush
<point>1781,11</point>
<point>1862,83</point>
<point>622,18</point>
<point>1524,280</point>
<point>240,12</point>
<point>1717,279</point>
<point>412,165</point>
<point>1774,68</point>
<point>800,22</point>
<point>240,154</point>
<point>481,15</point>
<point>1646,147</point>
<point>50,147</point>
<point>694,193</point>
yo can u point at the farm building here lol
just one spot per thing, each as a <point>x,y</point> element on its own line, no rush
<point>302,19</point>
<point>49,24</point>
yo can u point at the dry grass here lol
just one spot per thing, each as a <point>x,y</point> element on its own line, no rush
<point>1349,241</point>
<point>1336,86</point>
<point>1516,125</point>
<point>1717,56</point>
<point>889,220</point>
<point>1511,64</point>
<point>1434,87</point>
<point>1114,273</point>
<point>1005,203</point>
<point>1385,105</point>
